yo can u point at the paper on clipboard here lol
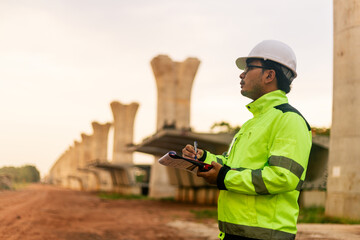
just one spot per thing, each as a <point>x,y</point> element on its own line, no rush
<point>171,159</point>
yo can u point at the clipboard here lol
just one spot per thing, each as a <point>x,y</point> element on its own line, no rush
<point>171,159</point>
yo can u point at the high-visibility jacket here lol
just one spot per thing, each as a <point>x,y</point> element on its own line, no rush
<point>263,171</point>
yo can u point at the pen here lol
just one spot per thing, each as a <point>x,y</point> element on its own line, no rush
<point>195,147</point>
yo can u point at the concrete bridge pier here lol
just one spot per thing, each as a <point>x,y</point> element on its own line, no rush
<point>174,82</point>
<point>99,154</point>
<point>123,178</point>
<point>343,185</point>
<point>90,181</point>
<point>75,182</point>
<point>124,118</point>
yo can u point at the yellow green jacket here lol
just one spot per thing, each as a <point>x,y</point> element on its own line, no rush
<point>263,171</point>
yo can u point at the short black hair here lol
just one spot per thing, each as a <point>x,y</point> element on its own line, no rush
<point>283,83</point>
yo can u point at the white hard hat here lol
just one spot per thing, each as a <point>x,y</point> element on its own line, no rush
<point>272,50</point>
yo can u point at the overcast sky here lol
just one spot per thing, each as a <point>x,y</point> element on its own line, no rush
<point>63,61</point>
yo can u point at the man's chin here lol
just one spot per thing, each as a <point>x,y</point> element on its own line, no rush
<point>246,94</point>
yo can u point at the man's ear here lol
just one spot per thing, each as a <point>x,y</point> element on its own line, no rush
<point>270,76</point>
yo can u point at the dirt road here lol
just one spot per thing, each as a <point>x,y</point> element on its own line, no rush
<point>42,212</point>
<point>50,213</point>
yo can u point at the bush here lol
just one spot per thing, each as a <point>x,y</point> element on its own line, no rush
<point>317,215</point>
<point>27,173</point>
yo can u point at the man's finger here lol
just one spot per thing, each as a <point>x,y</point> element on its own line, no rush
<point>188,151</point>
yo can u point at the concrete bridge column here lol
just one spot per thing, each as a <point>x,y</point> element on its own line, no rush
<point>69,167</point>
<point>76,156</point>
<point>174,83</point>
<point>343,185</point>
<point>124,118</point>
<point>100,141</point>
<point>66,167</point>
<point>99,154</point>
<point>86,156</point>
<point>73,182</point>
<point>55,171</point>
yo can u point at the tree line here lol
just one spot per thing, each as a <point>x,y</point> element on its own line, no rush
<point>24,174</point>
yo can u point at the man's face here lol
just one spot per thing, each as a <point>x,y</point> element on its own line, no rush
<point>251,81</point>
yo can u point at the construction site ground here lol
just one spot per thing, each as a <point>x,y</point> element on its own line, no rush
<point>44,212</point>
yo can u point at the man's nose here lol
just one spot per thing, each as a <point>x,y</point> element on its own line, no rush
<point>242,75</point>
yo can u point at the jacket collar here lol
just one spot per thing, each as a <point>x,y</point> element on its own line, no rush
<point>267,101</point>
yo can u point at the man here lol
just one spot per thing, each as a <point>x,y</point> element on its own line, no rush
<point>261,174</point>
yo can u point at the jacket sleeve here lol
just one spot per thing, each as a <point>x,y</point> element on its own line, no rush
<point>209,157</point>
<point>221,159</point>
<point>285,169</point>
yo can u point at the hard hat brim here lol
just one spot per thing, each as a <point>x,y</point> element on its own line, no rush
<point>241,62</point>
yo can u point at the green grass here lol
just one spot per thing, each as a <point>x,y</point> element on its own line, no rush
<point>165,199</point>
<point>306,215</point>
<point>115,196</point>
<point>14,186</point>
<point>201,214</point>
<point>19,185</point>
<point>317,215</point>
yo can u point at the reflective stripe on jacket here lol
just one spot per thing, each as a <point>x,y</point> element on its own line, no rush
<point>263,171</point>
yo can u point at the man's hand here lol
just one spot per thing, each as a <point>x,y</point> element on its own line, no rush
<point>211,175</point>
<point>189,152</point>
